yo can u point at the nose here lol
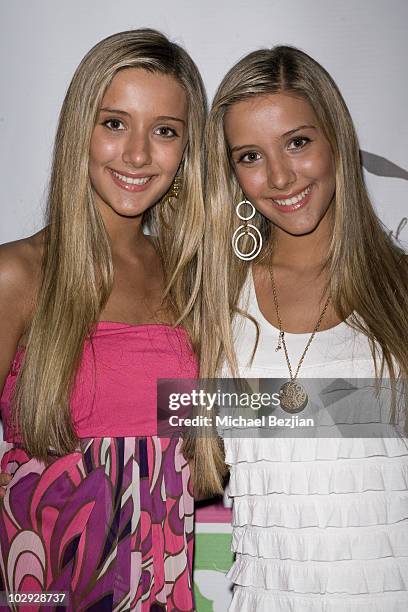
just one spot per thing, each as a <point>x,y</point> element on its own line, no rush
<point>136,151</point>
<point>280,173</point>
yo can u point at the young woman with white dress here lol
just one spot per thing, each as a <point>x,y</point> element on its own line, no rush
<point>319,524</point>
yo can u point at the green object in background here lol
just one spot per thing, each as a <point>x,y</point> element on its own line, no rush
<point>213,555</point>
<point>213,552</point>
<point>202,603</point>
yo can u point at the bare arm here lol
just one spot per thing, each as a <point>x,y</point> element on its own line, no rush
<point>19,274</point>
<point>13,300</point>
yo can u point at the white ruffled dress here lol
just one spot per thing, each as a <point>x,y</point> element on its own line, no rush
<point>319,524</point>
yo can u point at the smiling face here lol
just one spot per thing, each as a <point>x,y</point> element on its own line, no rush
<point>138,141</point>
<point>282,160</point>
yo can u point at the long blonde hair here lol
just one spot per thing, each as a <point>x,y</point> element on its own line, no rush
<point>368,273</point>
<point>77,265</point>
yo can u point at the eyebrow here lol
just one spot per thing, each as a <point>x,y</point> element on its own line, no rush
<point>289,133</point>
<point>116,111</point>
<point>301,127</point>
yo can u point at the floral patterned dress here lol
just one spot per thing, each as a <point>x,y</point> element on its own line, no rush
<point>111,524</point>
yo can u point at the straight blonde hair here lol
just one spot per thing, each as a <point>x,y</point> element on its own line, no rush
<point>77,265</point>
<point>368,272</point>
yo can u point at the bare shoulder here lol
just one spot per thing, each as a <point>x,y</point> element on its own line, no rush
<point>20,274</point>
<point>20,261</point>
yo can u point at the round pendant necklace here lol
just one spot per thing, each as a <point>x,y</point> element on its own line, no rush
<point>292,395</point>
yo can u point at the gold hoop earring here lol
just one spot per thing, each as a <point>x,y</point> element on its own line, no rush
<point>174,191</point>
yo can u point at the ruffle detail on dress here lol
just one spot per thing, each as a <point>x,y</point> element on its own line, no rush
<point>298,511</point>
<point>319,477</point>
<point>338,577</point>
<point>248,600</point>
<point>330,544</point>
<point>311,449</point>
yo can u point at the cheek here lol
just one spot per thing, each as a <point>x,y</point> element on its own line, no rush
<point>169,158</point>
<point>250,180</point>
<point>318,167</point>
<point>328,176</point>
<point>102,150</point>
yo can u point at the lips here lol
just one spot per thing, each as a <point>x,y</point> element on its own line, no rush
<point>294,202</point>
<point>129,182</point>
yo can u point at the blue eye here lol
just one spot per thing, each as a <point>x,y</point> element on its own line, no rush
<point>114,124</point>
<point>298,143</point>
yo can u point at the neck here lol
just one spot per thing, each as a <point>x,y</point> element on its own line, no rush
<point>125,233</point>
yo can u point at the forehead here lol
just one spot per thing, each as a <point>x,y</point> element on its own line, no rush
<point>275,113</point>
<point>138,89</point>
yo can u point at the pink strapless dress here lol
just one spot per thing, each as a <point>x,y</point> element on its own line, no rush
<point>112,523</point>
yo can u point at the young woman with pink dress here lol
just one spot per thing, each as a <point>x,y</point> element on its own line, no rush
<point>93,310</point>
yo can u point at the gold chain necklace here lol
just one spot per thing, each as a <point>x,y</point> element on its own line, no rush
<point>293,397</point>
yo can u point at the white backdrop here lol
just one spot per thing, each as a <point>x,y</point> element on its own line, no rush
<point>362,43</point>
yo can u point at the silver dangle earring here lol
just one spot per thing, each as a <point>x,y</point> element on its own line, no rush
<point>247,229</point>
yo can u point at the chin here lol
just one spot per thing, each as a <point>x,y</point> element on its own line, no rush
<point>131,208</point>
<point>301,229</point>
<point>305,226</point>
<point>131,212</point>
